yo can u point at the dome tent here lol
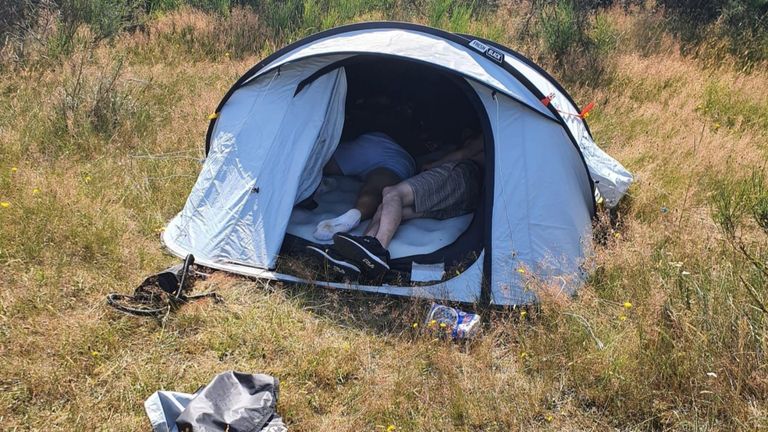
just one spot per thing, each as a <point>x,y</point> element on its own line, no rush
<point>281,121</point>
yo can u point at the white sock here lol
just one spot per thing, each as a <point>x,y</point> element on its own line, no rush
<point>327,228</point>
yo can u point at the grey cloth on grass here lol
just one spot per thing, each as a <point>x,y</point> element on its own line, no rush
<point>232,401</point>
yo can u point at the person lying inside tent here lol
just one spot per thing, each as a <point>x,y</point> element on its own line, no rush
<point>446,188</point>
<point>379,162</point>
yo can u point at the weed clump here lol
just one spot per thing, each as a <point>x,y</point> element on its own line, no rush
<point>100,140</point>
<point>714,28</point>
<point>93,109</point>
<point>574,38</point>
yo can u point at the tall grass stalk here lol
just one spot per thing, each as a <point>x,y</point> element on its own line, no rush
<point>100,146</point>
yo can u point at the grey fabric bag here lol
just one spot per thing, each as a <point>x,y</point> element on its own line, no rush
<point>232,402</point>
<point>164,407</point>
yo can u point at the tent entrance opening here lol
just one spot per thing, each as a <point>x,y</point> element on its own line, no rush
<point>430,114</point>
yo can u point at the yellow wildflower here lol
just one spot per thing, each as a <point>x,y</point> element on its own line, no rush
<point>5,204</point>
<point>622,317</point>
<point>213,116</point>
<point>35,191</point>
<point>443,325</point>
<point>14,169</point>
<point>415,325</point>
<point>87,179</point>
<point>717,126</point>
<point>523,314</point>
<point>523,355</point>
<point>432,323</point>
<point>391,428</point>
<point>95,354</point>
<point>160,229</point>
<point>521,270</point>
<point>550,418</point>
<point>627,305</point>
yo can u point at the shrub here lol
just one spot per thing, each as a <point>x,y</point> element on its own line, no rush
<point>218,6</point>
<point>734,200</point>
<point>203,36</point>
<point>574,40</point>
<point>461,15</point>
<point>104,18</point>
<point>14,14</point>
<point>561,29</point>
<point>96,104</point>
<point>729,205</point>
<point>283,17</point>
<point>452,15</point>
<point>289,19</point>
<point>604,35</point>
<point>241,32</point>
<point>715,27</point>
<point>319,15</point>
<point>95,110</point>
<point>647,33</point>
<point>56,25</point>
<point>23,24</point>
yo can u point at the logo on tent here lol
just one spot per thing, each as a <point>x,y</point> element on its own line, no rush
<point>488,51</point>
<point>495,55</point>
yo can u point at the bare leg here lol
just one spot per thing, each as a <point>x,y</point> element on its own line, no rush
<point>368,199</point>
<point>373,227</point>
<point>370,194</point>
<point>395,198</point>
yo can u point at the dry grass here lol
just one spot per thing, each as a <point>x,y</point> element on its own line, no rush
<point>663,337</point>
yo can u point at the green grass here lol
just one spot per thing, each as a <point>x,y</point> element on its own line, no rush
<point>731,107</point>
<point>669,332</point>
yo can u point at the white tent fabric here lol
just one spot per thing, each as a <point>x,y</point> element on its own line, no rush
<point>259,166</point>
<point>422,47</point>
<point>542,202</point>
<point>611,178</point>
<point>269,144</point>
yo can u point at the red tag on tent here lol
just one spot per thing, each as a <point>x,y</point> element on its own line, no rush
<point>585,112</point>
<point>548,99</point>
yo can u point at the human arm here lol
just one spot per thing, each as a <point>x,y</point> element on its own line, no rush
<point>472,149</point>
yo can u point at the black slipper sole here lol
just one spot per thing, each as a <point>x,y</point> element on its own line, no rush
<point>340,268</point>
<point>370,264</point>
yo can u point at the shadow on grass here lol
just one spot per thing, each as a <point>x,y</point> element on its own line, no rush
<point>384,314</point>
